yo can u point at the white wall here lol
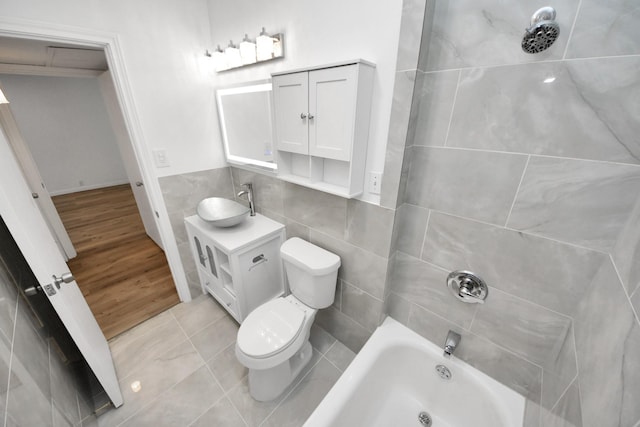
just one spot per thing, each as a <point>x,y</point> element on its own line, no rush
<point>65,124</point>
<point>163,44</point>
<point>317,33</point>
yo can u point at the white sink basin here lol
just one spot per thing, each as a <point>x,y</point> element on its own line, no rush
<point>222,212</point>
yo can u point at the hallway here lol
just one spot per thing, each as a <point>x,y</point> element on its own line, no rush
<point>121,272</point>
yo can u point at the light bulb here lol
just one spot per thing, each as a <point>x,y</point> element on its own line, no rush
<point>277,47</point>
<point>247,51</point>
<point>219,59</point>
<point>232,55</point>
<point>264,43</point>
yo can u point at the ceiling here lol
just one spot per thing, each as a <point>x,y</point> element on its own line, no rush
<point>27,54</point>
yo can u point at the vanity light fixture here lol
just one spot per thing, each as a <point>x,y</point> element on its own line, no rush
<point>266,48</point>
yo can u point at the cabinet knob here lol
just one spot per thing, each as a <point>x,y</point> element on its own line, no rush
<point>303,116</point>
<point>311,116</point>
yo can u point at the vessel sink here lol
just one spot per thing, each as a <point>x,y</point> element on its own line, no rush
<point>222,212</point>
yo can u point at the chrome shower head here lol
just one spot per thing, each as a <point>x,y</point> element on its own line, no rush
<point>544,30</point>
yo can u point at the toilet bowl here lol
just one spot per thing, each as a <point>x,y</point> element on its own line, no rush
<point>273,340</point>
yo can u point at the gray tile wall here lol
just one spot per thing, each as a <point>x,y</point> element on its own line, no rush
<point>527,172</point>
<point>36,387</point>
<point>359,232</point>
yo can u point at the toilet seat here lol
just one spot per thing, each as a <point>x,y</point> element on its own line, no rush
<point>270,328</point>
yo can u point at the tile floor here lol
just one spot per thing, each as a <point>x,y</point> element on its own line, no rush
<point>185,362</point>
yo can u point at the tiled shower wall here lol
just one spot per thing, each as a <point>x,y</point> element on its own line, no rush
<point>526,170</point>
<point>36,387</point>
<point>359,232</point>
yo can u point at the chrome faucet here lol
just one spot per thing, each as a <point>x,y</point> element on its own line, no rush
<point>249,193</point>
<point>450,345</point>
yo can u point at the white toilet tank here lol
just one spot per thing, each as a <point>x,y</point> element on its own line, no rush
<point>312,272</point>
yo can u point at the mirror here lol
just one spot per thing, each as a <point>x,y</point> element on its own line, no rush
<point>245,114</point>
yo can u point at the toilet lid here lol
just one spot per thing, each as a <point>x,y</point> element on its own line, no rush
<point>270,328</point>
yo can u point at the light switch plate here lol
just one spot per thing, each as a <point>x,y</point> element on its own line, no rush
<point>160,158</point>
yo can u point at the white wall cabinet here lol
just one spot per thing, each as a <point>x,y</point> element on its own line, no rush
<point>322,126</point>
<point>240,266</point>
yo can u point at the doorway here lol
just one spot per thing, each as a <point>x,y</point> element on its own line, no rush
<point>120,270</point>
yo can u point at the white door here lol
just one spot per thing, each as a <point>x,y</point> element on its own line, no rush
<point>28,228</point>
<point>332,103</point>
<point>290,100</point>
<point>147,213</point>
<point>36,185</point>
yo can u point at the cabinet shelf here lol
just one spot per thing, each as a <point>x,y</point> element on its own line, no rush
<point>334,189</point>
<point>225,267</point>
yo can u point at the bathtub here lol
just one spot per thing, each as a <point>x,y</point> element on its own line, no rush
<point>394,379</point>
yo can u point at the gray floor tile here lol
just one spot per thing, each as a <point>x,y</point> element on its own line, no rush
<point>340,355</point>
<point>215,337</point>
<point>226,368</point>
<point>182,404</point>
<point>157,376</point>
<point>320,339</point>
<point>197,314</point>
<point>134,351</point>
<point>222,414</point>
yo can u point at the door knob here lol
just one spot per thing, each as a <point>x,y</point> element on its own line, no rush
<point>64,278</point>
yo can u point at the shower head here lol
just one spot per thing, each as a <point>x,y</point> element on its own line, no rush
<point>544,30</point>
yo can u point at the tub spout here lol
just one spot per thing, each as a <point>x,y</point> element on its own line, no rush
<point>451,343</point>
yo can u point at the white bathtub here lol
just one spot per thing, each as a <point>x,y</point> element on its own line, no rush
<point>394,378</point>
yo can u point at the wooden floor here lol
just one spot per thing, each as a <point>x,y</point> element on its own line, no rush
<point>122,273</point>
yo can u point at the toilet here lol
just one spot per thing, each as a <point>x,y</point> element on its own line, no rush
<point>273,340</point>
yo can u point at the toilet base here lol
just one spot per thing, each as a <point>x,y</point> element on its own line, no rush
<point>267,384</point>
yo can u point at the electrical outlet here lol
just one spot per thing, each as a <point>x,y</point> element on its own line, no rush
<point>374,182</point>
<point>160,158</point>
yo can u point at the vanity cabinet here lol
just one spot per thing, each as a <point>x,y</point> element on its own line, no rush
<point>322,125</point>
<point>239,266</point>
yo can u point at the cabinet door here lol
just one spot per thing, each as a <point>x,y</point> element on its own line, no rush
<point>290,99</point>
<point>332,106</point>
<point>261,271</point>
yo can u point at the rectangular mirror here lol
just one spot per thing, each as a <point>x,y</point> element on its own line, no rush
<point>245,114</point>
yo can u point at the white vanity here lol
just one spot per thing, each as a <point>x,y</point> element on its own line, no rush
<point>240,266</point>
